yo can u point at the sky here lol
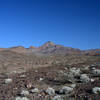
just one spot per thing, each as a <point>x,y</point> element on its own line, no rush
<point>72,23</point>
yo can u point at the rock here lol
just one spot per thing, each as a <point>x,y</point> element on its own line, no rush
<point>84,78</point>
<point>35,90</point>
<point>92,65</point>
<point>41,79</point>
<point>92,80</point>
<point>36,71</point>
<point>61,72</point>
<point>73,86</point>
<point>29,86</point>
<point>57,98</point>
<point>96,71</point>
<point>7,81</point>
<point>50,91</point>
<point>75,72</point>
<point>96,90</point>
<point>24,92</point>
<point>21,98</point>
<point>66,90</point>
<point>22,76</point>
<point>70,77</point>
<point>85,69</point>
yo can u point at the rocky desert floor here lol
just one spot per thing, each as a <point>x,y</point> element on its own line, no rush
<point>56,82</point>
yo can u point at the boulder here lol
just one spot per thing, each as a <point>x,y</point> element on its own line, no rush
<point>57,98</point>
<point>7,81</point>
<point>84,78</point>
<point>66,90</point>
<point>50,91</point>
<point>41,79</point>
<point>35,90</point>
<point>96,90</point>
<point>24,93</point>
<point>21,98</point>
<point>22,76</point>
<point>75,72</point>
<point>73,86</point>
<point>96,71</point>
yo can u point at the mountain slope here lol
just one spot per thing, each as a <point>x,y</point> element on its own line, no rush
<point>49,48</point>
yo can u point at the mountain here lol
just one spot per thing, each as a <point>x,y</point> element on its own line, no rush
<point>19,58</point>
<point>50,48</point>
<point>94,52</point>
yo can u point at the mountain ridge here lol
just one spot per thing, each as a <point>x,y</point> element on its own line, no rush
<point>51,48</point>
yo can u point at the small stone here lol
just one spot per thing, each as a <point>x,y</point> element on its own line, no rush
<point>36,71</point>
<point>75,72</point>
<point>24,92</point>
<point>22,76</point>
<point>18,98</point>
<point>85,69</point>
<point>41,79</point>
<point>7,81</point>
<point>57,98</point>
<point>66,90</point>
<point>50,91</point>
<point>35,90</point>
<point>92,80</point>
<point>84,78</point>
<point>96,90</point>
<point>29,86</point>
<point>73,85</point>
<point>21,98</point>
<point>96,71</point>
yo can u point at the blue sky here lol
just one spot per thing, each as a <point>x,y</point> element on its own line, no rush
<point>73,23</point>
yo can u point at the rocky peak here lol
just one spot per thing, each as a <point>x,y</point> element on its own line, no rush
<point>47,44</point>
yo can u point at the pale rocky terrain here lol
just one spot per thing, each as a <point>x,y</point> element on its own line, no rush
<point>49,72</point>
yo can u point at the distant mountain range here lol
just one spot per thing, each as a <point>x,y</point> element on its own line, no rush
<point>50,48</point>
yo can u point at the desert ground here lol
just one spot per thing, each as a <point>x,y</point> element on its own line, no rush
<point>50,75</point>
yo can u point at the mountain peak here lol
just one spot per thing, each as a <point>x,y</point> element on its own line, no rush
<point>49,43</point>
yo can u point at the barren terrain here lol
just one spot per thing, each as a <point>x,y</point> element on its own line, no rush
<point>50,72</point>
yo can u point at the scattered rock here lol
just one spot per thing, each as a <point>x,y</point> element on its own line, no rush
<point>85,69</point>
<point>92,80</point>
<point>73,85</point>
<point>57,98</point>
<point>96,90</point>
<point>92,66</point>
<point>66,90</point>
<point>22,76</point>
<point>41,79</point>
<point>75,72</point>
<point>29,86</point>
<point>50,91</point>
<point>96,71</point>
<point>36,71</point>
<point>21,98</point>
<point>7,81</point>
<point>84,78</point>
<point>24,93</point>
<point>35,90</point>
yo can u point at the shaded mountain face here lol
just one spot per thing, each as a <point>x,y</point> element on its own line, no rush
<point>50,48</point>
